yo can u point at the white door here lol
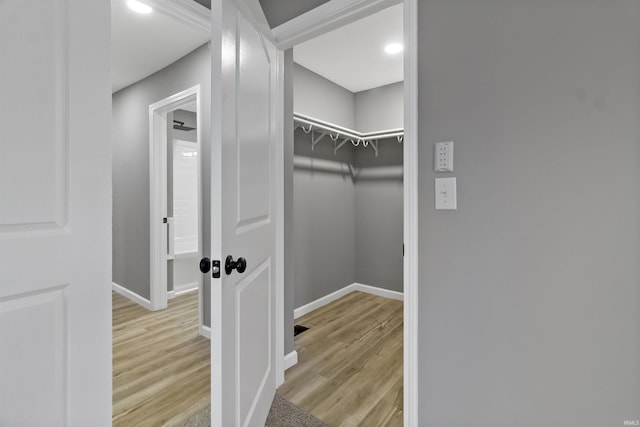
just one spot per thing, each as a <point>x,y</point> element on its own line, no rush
<point>55,213</point>
<point>243,218</point>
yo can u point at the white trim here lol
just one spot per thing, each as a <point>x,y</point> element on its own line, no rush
<point>322,301</point>
<point>290,360</point>
<point>185,255</point>
<point>411,260</point>
<point>373,290</point>
<point>279,216</point>
<point>158,192</point>
<point>313,305</point>
<point>171,294</point>
<point>186,288</point>
<point>188,12</point>
<point>205,331</point>
<point>324,18</point>
<point>252,10</point>
<point>215,235</point>
<point>143,302</point>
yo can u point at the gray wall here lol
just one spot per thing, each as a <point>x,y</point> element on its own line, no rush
<point>380,108</point>
<point>280,11</point>
<point>289,262</point>
<point>131,165</point>
<point>322,99</point>
<point>324,214</point>
<point>379,216</point>
<point>530,293</point>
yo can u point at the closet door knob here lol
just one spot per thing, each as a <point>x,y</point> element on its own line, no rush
<point>205,265</point>
<point>240,265</point>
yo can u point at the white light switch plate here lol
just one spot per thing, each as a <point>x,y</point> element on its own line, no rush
<point>446,197</point>
<point>443,156</point>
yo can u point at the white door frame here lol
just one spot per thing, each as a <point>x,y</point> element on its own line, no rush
<point>322,19</point>
<point>158,193</point>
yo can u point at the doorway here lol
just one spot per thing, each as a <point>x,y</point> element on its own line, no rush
<point>175,184</point>
<point>412,229</point>
<point>348,223</point>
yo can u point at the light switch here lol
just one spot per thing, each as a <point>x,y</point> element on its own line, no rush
<point>446,197</point>
<point>443,156</point>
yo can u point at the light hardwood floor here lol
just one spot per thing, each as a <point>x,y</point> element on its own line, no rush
<point>349,370</point>
<point>161,365</point>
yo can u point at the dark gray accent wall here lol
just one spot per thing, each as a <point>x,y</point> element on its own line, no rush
<point>280,11</point>
<point>379,216</point>
<point>130,115</point>
<point>205,3</point>
<point>324,214</point>
<point>380,108</point>
<point>530,292</point>
<point>322,99</point>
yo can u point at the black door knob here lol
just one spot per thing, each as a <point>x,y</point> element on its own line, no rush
<point>205,265</point>
<point>240,265</point>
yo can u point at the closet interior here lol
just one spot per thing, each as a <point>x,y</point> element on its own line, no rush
<point>347,239</point>
<point>348,193</point>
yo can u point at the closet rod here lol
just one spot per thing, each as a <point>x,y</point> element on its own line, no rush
<point>309,123</point>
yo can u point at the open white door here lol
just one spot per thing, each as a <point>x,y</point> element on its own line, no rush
<point>243,350</point>
<point>55,213</point>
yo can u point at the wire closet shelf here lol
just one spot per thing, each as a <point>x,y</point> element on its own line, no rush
<point>320,129</point>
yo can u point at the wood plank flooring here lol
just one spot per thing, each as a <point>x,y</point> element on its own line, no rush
<point>161,365</point>
<point>349,370</point>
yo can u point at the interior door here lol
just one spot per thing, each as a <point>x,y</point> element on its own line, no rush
<point>243,217</point>
<point>55,213</point>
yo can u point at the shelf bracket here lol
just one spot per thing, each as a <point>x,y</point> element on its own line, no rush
<point>315,140</point>
<point>374,145</point>
<point>339,146</point>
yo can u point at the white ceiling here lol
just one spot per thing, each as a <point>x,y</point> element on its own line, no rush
<point>144,44</point>
<point>353,56</point>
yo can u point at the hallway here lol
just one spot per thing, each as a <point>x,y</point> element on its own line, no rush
<point>161,365</point>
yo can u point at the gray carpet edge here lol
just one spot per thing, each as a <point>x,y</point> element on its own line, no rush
<point>283,413</point>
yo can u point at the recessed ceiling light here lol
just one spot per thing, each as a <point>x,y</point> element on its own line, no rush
<point>139,7</point>
<point>393,48</point>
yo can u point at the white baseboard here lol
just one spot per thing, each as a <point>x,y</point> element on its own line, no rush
<point>307,308</point>
<point>313,305</point>
<point>385,293</point>
<point>131,295</point>
<point>181,290</point>
<point>290,359</point>
<point>186,288</point>
<point>205,331</point>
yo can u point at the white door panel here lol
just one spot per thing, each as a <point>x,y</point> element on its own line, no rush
<point>55,210</point>
<point>244,119</point>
